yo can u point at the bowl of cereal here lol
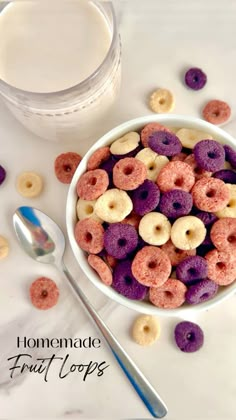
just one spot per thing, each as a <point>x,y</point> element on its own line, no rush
<point>151,215</point>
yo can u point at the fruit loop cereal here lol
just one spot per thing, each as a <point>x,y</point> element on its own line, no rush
<point>216,112</point>
<point>29,184</point>
<point>44,293</point>
<point>157,217</point>
<point>189,336</point>
<point>161,101</point>
<point>146,330</point>
<point>92,184</point>
<point>195,78</point>
<point>4,247</point>
<point>65,166</point>
<point>101,268</point>
<point>2,174</point>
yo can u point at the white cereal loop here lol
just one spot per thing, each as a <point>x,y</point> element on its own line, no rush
<point>4,247</point>
<point>153,162</point>
<point>85,209</point>
<point>29,184</point>
<point>230,208</point>
<point>161,101</point>
<point>125,144</point>
<point>146,330</point>
<point>189,137</point>
<point>155,228</point>
<point>188,232</point>
<point>113,206</point>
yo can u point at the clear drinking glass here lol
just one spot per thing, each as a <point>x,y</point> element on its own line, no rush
<point>72,113</point>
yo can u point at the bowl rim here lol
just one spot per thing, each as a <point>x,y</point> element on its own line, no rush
<point>174,120</point>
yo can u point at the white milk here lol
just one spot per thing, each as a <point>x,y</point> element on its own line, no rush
<point>49,46</point>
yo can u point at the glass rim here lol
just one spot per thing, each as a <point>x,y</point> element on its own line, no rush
<point>6,88</point>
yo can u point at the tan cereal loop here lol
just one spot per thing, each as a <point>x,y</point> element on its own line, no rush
<point>188,232</point>
<point>153,162</point>
<point>29,184</point>
<point>210,194</point>
<point>89,235</point>
<point>154,228</point>
<point>190,137</point>
<point>85,209</point>
<point>176,176</point>
<point>125,144</point>
<point>101,268</point>
<point>151,266</point>
<point>129,173</point>
<point>92,184</point>
<point>168,296</point>
<point>146,330</point>
<point>149,129</point>
<point>113,206</point>
<point>216,112</point>
<point>176,255</point>
<point>98,157</point>
<point>161,101</point>
<point>230,209</point>
<point>4,247</point>
<point>223,234</point>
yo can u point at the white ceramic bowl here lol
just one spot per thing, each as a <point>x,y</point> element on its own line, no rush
<point>178,121</point>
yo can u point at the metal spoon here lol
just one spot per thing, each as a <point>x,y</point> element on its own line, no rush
<point>43,240</point>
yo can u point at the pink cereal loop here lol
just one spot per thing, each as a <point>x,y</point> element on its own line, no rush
<point>216,112</point>
<point>111,261</point>
<point>221,267</point>
<point>149,129</point>
<point>98,157</point>
<point>101,268</point>
<point>151,266</point>
<point>129,173</point>
<point>179,157</point>
<point>198,172</point>
<point>89,235</point>
<point>210,194</point>
<point>223,235</point>
<point>176,175</point>
<point>92,184</point>
<point>132,219</point>
<point>176,255</point>
<point>168,296</point>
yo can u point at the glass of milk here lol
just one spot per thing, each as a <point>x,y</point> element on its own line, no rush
<point>59,64</point>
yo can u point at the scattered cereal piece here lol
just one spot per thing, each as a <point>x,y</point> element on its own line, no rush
<point>125,283</point>
<point>2,174</point>
<point>153,162</point>
<point>154,228</point>
<point>92,184</point>
<point>168,296</point>
<point>223,234</point>
<point>161,101</point>
<point>189,137</point>
<point>221,267</point>
<point>176,175</point>
<point>65,166</point>
<point>101,268</point>
<point>129,173</point>
<point>29,184</point>
<point>146,330</point>
<point>189,336</point>
<point>4,247</point>
<point>125,144</point>
<point>216,112</point>
<point>85,209</point>
<point>44,293</point>
<point>210,194</point>
<point>113,206</point>
<point>188,232</point>
<point>89,235</point>
<point>151,266</point>
<point>150,129</point>
<point>98,157</point>
<point>195,78</point>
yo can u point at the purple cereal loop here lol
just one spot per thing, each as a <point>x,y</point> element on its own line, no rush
<point>209,155</point>
<point>189,336</point>
<point>195,78</point>
<point>125,283</point>
<point>145,198</point>
<point>202,291</point>
<point>176,203</point>
<point>164,143</point>
<point>120,240</point>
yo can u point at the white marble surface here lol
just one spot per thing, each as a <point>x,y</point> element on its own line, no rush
<point>160,39</point>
